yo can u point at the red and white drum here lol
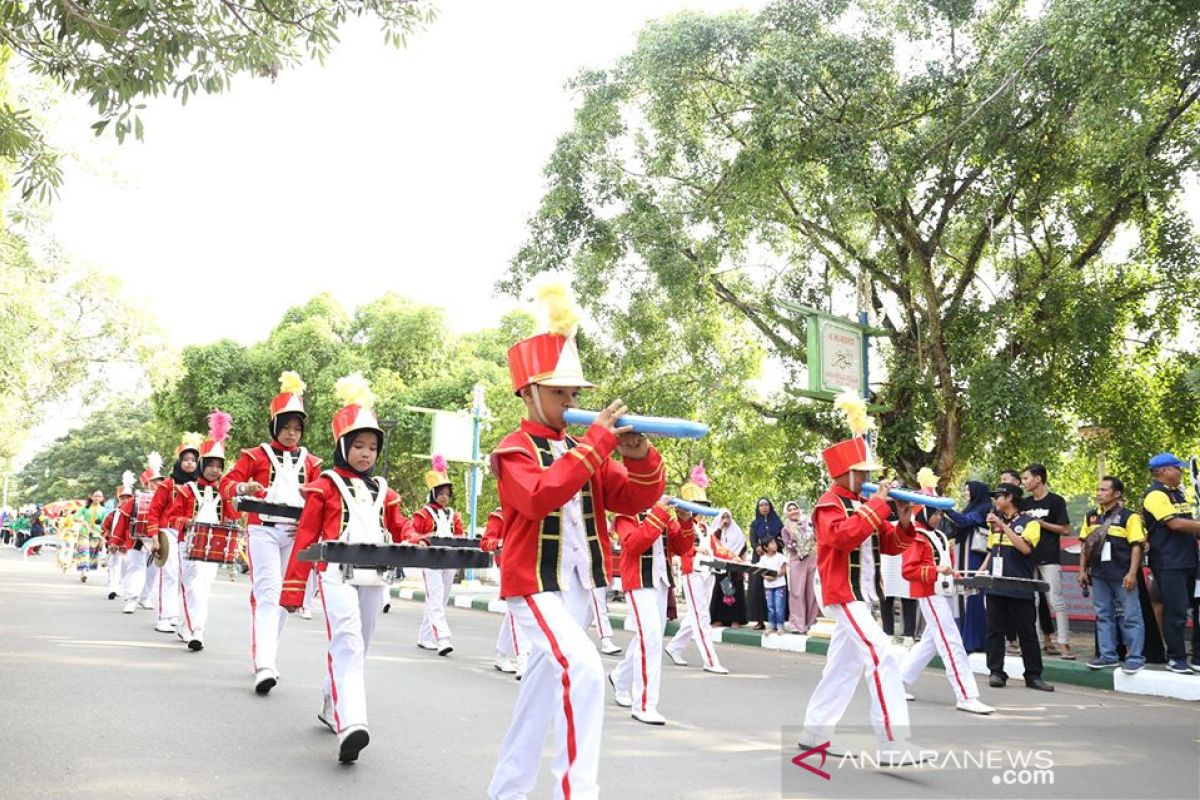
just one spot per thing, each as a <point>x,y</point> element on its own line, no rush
<point>210,542</point>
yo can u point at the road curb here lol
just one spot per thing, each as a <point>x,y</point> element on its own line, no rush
<point>1151,681</point>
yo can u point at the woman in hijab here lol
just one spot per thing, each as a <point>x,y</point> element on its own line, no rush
<point>970,534</point>
<point>766,526</point>
<point>800,546</point>
<point>728,604</point>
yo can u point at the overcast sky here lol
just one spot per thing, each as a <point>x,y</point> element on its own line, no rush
<point>411,170</point>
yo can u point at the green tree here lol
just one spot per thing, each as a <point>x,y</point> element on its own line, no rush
<point>967,166</point>
<point>117,55</point>
<point>94,455</point>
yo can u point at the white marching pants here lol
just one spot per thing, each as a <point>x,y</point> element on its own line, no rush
<point>133,578</point>
<point>600,612</point>
<point>509,642</point>
<point>195,588</point>
<point>563,684</point>
<point>268,549</point>
<point>859,649</point>
<point>168,579</point>
<point>116,564</point>
<point>640,672</point>
<point>350,616</point>
<point>942,636</point>
<point>697,623</point>
<point>149,589</point>
<point>437,594</point>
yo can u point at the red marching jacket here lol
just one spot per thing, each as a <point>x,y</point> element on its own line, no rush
<point>253,465</point>
<point>637,545</point>
<point>840,529</point>
<point>323,519</point>
<point>183,510</point>
<point>120,517</point>
<point>159,513</point>
<point>919,567</point>
<point>533,484</point>
<point>424,523</point>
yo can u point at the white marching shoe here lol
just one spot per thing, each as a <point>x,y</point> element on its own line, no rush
<point>351,742</point>
<point>974,706</point>
<point>608,647</point>
<point>129,607</point>
<point>650,716</point>
<point>620,698</point>
<point>676,659</point>
<point>505,663</point>
<point>326,715</point>
<point>265,680</point>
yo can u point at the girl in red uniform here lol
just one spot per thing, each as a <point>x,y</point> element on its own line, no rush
<point>348,504</point>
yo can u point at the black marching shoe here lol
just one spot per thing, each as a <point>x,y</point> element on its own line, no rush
<point>997,681</point>
<point>1039,684</point>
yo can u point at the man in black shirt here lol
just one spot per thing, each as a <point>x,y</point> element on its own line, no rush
<point>1050,510</point>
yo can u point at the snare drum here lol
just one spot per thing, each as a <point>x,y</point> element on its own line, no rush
<point>205,541</point>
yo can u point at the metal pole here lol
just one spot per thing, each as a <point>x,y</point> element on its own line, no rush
<point>476,419</point>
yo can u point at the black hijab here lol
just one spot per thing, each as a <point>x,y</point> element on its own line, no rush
<point>765,526</point>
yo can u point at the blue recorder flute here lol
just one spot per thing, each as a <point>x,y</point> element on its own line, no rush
<point>909,496</point>
<point>658,426</point>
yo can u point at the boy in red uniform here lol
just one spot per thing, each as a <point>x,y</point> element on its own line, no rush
<point>555,492</point>
<point>200,501</point>
<point>347,504</point>
<point>437,518</point>
<point>859,647</point>
<point>646,548</point>
<point>185,470</point>
<point>273,472</point>
<point>921,568</point>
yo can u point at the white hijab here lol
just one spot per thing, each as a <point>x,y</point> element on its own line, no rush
<point>732,536</point>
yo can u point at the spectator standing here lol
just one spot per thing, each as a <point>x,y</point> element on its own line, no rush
<point>1050,511</point>
<point>800,546</point>
<point>1113,540</point>
<point>766,526</point>
<point>1172,530</point>
<point>1011,547</point>
<point>971,535</point>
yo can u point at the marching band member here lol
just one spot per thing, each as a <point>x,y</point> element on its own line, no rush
<point>858,648</point>
<point>697,580</point>
<point>511,649</point>
<point>273,472</point>
<point>347,503</point>
<point>200,501</point>
<point>555,492</point>
<point>436,518</point>
<point>646,546</point>
<point>921,569</point>
<point>184,471</point>
<point>117,550</point>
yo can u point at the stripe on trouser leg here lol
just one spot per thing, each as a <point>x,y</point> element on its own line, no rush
<point>637,619</point>
<point>337,719</point>
<point>687,585</point>
<point>887,722</point>
<point>946,644</point>
<point>568,712</point>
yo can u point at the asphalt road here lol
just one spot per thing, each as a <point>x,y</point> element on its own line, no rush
<point>97,704</point>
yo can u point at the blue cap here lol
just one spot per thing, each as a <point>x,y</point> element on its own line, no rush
<point>1167,460</point>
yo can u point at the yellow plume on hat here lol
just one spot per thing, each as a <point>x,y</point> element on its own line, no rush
<point>290,383</point>
<point>926,479</point>
<point>353,389</point>
<point>854,409</point>
<point>562,316</point>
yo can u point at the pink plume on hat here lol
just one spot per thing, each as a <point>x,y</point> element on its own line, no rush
<point>699,476</point>
<point>439,463</point>
<point>219,425</point>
